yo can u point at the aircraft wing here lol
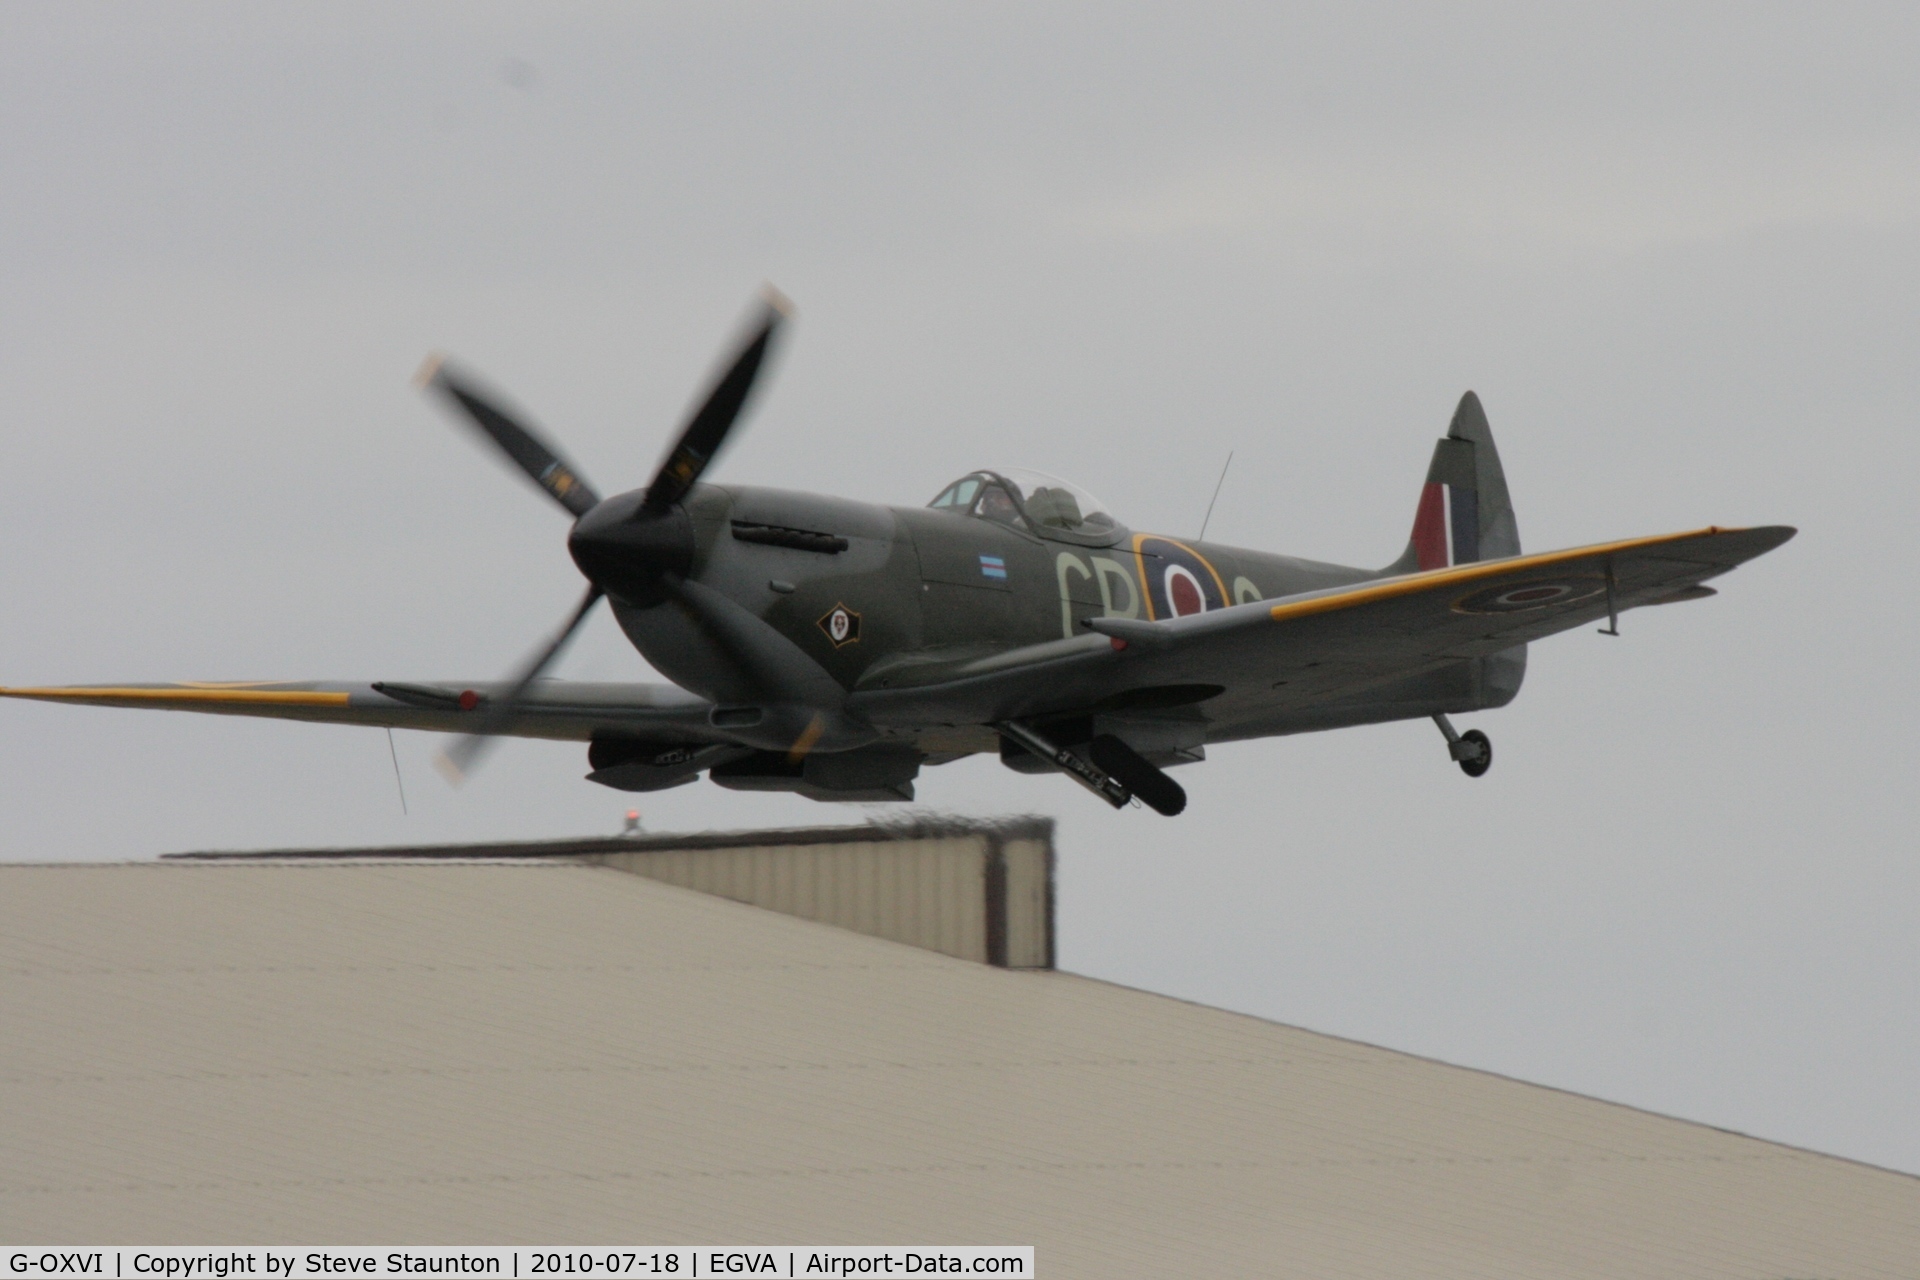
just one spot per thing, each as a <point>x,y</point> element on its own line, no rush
<point>1302,650</point>
<point>558,709</point>
<point>1267,656</point>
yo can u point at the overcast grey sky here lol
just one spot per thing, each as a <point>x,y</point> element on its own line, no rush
<point>1676,249</point>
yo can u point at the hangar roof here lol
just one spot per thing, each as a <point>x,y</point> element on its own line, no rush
<point>504,1052</point>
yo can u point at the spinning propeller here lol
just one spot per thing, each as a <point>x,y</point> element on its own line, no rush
<point>639,545</point>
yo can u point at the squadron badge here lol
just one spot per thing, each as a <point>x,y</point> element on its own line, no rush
<point>842,625</point>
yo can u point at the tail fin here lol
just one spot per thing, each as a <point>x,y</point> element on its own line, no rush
<point>1464,512</point>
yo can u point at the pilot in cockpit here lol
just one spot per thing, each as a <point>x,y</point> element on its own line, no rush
<point>1030,501</point>
<point>997,504</point>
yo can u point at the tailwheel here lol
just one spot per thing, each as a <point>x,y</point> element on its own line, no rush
<point>1481,758</point>
<point>1472,750</point>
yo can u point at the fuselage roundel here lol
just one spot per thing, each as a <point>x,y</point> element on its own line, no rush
<point>1175,579</point>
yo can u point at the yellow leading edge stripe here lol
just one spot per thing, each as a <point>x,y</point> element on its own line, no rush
<point>1408,585</point>
<point>1418,582</point>
<point>82,693</point>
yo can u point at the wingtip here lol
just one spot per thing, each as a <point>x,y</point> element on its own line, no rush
<point>1769,535</point>
<point>777,302</point>
<point>429,369</point>
<point>448,768</point>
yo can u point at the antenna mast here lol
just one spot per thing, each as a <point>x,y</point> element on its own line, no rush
<point>1216,497</point>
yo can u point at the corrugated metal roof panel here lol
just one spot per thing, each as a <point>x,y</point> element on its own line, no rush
<point>465,1053</point>
<point>928,893</point>
<point>977,889</point>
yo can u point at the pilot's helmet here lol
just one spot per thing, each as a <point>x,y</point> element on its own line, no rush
<point>996,504</point>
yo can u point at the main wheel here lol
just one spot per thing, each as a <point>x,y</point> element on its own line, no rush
<point>1475,765</point>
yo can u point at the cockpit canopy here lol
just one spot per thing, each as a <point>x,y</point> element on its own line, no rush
<point>1034,501</point>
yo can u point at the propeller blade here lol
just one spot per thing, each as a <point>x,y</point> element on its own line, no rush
<point>462,757</point>
<point>518,441</point>
<point>771,666</point>
<point>804,708</point>
<point>707,430</point>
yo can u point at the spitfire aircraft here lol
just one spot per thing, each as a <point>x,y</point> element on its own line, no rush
<point>835,648</point>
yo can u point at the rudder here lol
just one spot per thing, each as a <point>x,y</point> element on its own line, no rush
<point>1465,513</point>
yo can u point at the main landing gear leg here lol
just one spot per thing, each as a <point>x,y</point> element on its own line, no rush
<point>1473,749</point>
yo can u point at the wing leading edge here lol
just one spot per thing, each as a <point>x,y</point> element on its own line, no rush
<point>1337,643</point>
<point>553,709</point>
<point>1265,656</point>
